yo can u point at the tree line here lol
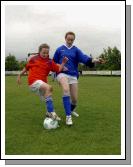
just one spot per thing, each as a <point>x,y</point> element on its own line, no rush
<point>12,64</point>
<point>110,56</point>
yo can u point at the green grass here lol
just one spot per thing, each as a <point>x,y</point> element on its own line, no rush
<point>95,132</point>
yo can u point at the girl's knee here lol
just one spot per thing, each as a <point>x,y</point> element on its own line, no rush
<point>66,91</point>
<point>49,88</point>
<point>65,86</point>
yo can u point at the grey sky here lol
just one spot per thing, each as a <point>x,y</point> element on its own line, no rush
<point>27,27</point>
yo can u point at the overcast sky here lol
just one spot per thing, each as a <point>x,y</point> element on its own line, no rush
<point>96,27</point>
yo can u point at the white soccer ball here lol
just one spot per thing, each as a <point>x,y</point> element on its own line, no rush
<point>50,123</point>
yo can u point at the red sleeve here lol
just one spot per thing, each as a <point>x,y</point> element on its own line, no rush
<point>55,67</point>
<point>27,66</point>
<point>30,61</point>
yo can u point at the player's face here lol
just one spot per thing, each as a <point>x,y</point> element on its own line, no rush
<point>44,52</point>
<point>69,39</point>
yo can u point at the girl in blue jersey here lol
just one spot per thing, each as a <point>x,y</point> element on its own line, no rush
<point>68,79</point>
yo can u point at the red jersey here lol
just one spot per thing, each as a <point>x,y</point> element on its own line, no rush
<point>39,68</point>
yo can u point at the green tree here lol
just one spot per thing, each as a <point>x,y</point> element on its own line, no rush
<point>11,64</point>
<point>112,57</point>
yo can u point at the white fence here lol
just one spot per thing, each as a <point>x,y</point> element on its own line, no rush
<point>118,73</point>
<point>12,72</point>
<point>101,73</point>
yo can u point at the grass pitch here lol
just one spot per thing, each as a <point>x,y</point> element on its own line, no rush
<point>95,132</point>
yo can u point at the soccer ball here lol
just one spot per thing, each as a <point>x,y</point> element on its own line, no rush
<point>50,123</point>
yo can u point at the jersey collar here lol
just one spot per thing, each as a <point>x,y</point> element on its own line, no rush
<point>68,47</point>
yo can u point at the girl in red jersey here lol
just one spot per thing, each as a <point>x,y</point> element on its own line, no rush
<point>39,67</point>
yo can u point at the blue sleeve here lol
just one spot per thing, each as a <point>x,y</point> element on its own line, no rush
<point>56,56</point>
<point>82,58</point>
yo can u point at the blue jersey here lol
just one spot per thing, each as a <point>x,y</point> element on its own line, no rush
<point>75,57</point>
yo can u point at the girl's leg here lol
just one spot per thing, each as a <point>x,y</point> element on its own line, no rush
<point>66,99</point>
<point>47,89</point>
<point>74,97</point>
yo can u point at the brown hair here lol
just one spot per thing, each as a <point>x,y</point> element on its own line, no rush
<point>70,33</point>
<point>43,46</point>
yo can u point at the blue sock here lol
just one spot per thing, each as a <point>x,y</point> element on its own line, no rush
<point>73,106</point>
<point>67,105</point>
<point>49,104</point>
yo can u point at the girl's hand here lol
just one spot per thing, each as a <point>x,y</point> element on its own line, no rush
<point>98,60</point>
<point>65,59</point>
<point>65,69</point>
